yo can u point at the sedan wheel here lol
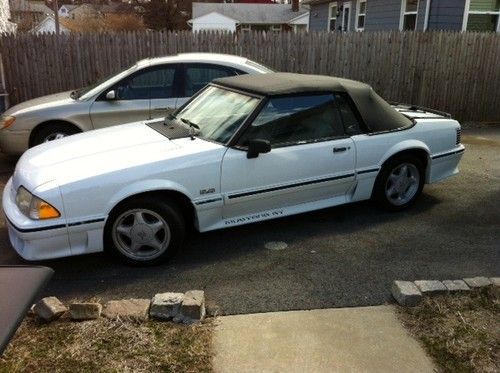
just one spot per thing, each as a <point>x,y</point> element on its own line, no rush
<point>54,136</point>
<point>146,230</point>
<point>52,131</point>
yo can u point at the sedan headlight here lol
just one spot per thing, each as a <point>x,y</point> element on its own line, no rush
<point>6,121</point>
<point>34,207</point>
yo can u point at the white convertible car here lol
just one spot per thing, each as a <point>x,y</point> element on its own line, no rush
<point>244,149</point>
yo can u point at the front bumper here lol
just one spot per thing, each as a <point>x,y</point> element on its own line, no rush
<point>14,142</point>
<point>34,240</point>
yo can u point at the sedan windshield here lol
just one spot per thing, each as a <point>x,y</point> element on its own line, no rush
<point>217,113</point>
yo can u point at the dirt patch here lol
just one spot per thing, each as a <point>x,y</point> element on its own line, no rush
<point>461,332</point>
<point>110,346</point>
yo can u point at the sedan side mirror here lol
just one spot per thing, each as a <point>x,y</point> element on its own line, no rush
<point>257,146</point>
<point>111,95</point>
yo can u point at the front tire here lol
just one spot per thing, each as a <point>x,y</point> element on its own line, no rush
<point>145,231</point>
<point>53,131</point>
<point>399,183</point>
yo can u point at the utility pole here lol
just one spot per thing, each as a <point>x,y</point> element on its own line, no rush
<point>56,16</point>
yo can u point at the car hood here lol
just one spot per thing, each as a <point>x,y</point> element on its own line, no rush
<point>95,153</point>
<point>57,99</point>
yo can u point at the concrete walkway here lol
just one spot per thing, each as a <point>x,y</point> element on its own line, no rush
<point>366,339</point>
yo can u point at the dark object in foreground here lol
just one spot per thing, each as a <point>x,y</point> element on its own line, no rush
<point>19,286</point>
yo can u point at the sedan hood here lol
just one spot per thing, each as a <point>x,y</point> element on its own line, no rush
<point>92,153</point>
<point>56,99</point>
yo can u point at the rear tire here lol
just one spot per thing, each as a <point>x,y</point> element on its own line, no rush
<point>145,231</point>
<point>399,183</point>
<point>53,131</point>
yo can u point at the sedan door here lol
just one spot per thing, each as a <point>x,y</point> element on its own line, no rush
<point>133,97</point>
<point>311,160</point>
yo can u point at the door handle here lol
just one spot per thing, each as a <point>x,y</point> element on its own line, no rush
<point>338,150</point>
<point>163,108</point>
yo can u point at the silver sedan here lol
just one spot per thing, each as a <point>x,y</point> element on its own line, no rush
<point>149,89</point>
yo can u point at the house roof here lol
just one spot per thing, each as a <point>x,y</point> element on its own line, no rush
<point>70,7</point>
<point>249,13</point>
<point>48,19</point>
<point>30,6</point>
<point>377,114</point>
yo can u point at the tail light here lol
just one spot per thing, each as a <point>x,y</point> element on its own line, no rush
<point>459,134</point>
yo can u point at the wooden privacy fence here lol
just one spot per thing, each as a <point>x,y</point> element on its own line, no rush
<point>454,72</point>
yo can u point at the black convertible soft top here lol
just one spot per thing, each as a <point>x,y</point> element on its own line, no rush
<point>377,114</point>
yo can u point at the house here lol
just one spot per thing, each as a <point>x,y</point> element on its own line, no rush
<point>48,25</point>
<point>66,9</point>
<point>420,15</point>
<point>27,14</point>
<point>5,24</point>
<point>84,11</point>
<point>246,16</point>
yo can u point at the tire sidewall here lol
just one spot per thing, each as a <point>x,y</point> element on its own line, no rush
<point>51,128</point>
<point>168,210</point>
<point>379,189</point>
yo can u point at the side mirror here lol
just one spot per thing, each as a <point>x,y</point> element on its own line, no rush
<point>111,95</point>
<point>257,146</point>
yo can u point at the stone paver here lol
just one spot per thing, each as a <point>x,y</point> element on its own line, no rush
<point>431,287</point>
<point>193,305</point>
<point>456,285</point>
<point>406,293</point>
<point>166,305</point>
<point>49,308</point>
<point>495,281</point>
<point>368,339</point>
<point>477,282</point>
<point>85,311</point>
<point>135,309</point>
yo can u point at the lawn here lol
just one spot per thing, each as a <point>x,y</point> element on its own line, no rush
<point>111,346</point>
<point>461,332</point>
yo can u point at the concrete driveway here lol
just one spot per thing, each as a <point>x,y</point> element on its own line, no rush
<point>343,256</point>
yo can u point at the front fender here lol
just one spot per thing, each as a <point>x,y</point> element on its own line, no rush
<point>144,186</point>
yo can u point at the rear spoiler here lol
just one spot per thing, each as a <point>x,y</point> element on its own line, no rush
<point>421,108</point>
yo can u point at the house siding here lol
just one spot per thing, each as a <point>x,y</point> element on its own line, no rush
<point>318,17</point>
<point>446,15</point>
<point>382,15</point>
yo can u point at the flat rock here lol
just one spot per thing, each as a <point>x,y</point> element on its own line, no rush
<point>84,311</point>
<point>431,287</point>
<point>495,281</point>
<point>166,306</point>
<point>49,308</point>
<point>406,293</point>
<point>132,309</point>
<point>193,305</point>
<point>456,285</point>
<point>477,282</point>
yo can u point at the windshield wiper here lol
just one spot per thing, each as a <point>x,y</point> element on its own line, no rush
<point>192,127</point>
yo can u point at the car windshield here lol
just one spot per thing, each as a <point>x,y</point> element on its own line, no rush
<point>217,113</point>
<point>92,89</point>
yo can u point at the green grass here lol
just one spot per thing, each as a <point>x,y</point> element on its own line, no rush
<point>460,331</point>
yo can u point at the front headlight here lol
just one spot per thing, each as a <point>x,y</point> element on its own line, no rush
<point>7,121</point>
<point>34,207</point>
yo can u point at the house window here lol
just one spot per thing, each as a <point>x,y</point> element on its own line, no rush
<point>360,19</point>
<point>276,28</point>
<point>332,17</point>
<point>483,15</point>
<point>409,10</point>
<point>245,28</point>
